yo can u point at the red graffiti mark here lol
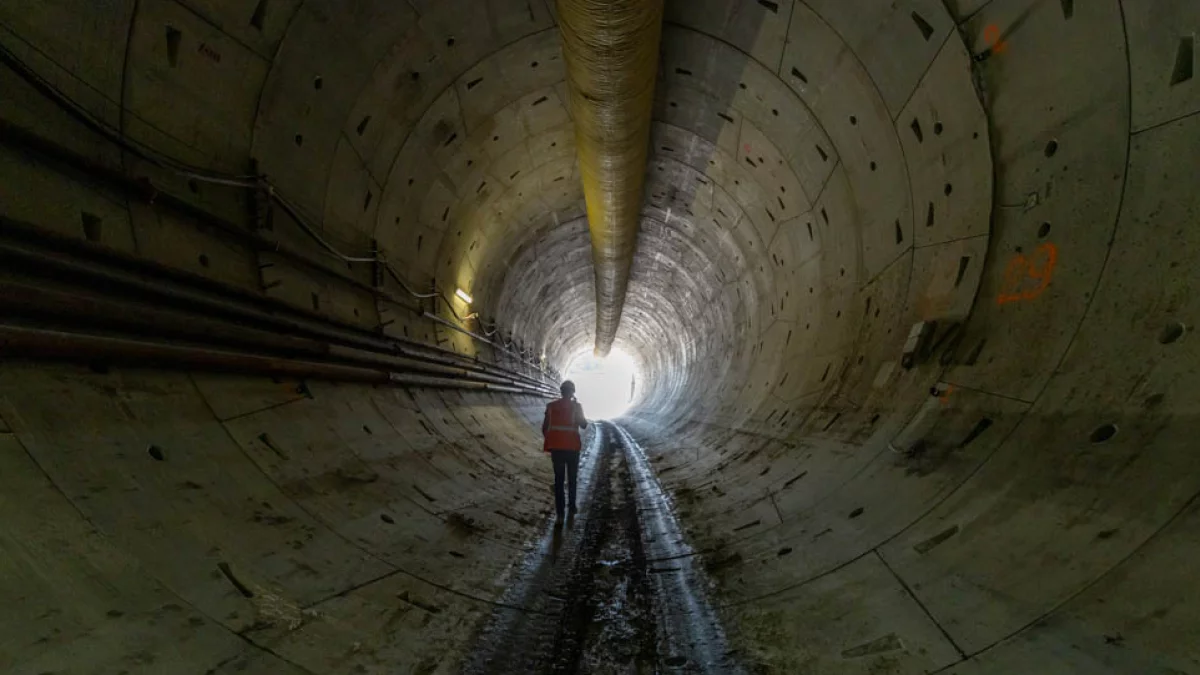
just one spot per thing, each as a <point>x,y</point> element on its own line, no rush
<point>1025,278</point>
<point>992,36</point>
<point>945,396</point>
<point>746,146</point>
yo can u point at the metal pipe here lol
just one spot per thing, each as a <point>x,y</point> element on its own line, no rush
<point>28,342</point>
<point>48,301</point>
<point>60,259</point>
<point>611,53</point>
<point>31,342</point>
<point>405,380</point>
<point>402,364</point>
<point>58,304</point>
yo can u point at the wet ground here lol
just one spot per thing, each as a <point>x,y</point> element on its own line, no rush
<point>613,590</point>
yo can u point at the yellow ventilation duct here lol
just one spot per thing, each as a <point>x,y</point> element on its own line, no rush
<point>611,52</point>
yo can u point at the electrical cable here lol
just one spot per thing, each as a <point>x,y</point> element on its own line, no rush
<point>81,114</point>
<point>405,285</point>
<point>102,128</point>
<point>294,212</point>
<point>88,119</point>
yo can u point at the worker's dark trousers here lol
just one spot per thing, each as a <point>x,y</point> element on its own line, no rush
<point>565,462</point>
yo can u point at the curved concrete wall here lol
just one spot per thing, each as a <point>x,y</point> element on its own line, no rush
<point>823,176</point>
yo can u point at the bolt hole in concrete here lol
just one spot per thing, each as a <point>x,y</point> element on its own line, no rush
<point>937,128</point>
<point>1051,148</point>
<point>156,452</point>
<point>1103,433</point>
<point>1171,332</point>
<point>1043,230</point>
<point>91,226</point>
<point>605,387</point>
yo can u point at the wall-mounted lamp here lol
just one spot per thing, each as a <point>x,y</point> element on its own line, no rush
<point>463,295</point>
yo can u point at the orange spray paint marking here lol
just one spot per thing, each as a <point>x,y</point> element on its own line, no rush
<point>1025,278</point>
<point>945,397</point>
<point>991,35</point>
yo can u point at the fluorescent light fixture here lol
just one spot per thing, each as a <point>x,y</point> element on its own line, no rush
<point>463,295</point>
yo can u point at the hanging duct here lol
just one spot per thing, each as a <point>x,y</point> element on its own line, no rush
<point>611,53</point>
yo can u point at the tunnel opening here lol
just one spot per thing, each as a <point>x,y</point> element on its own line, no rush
<point>606,386</point>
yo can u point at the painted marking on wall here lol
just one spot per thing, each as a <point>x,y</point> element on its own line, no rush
<point>994,39</point>
<point>1027,277</point>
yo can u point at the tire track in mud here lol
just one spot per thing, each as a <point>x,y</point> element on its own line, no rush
<point>607,624</point>
<point>591,604</point>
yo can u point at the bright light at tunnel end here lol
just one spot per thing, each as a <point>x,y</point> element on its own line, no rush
<point>606,387</point>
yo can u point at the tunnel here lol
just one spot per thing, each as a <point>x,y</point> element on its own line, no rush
<point>287,286</point>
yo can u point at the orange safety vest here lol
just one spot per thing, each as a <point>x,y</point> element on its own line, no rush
<point>562,433</point>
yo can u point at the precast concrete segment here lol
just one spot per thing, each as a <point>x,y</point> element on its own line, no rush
<point>823,176</point>
<point>268,512</point>
<point>690,635</point>
<point>611,53</point>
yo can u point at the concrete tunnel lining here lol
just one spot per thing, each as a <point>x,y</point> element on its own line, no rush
<point>819,173</point>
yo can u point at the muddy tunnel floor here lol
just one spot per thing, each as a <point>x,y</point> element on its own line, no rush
<point>615,589</point>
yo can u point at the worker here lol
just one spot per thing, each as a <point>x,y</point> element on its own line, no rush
<point>560,427</point>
